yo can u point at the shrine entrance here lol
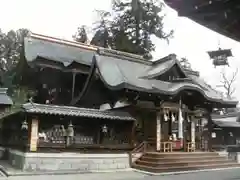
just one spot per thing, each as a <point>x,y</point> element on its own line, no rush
<point>178,129</point>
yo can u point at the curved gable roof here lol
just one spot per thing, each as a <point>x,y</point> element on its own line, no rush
<point>119,69</point>
<point>118,73</point>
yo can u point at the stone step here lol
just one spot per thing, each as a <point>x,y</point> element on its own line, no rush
<point>183,168</point>
<point>179,158</point>
<point>181,154</point>
<point>182,163</point>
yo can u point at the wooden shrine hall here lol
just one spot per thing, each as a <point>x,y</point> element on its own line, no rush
<point>141,106</point>
<point>225,130</point>
<point>161,90</point>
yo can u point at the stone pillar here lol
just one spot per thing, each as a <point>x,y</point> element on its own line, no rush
<point>34,134</point>
<point>158,132</point>
<point>193,130</point>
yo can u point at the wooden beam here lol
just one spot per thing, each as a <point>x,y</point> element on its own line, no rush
<point>73,84</point>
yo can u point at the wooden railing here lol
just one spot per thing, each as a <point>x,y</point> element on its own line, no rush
<point>47,146</point>
<point>138,151</point>
<point>133,155</point>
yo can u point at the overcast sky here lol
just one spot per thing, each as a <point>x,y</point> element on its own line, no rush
<point>60,18</point>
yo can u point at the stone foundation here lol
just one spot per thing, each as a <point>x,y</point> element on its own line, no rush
<point>68,161</point>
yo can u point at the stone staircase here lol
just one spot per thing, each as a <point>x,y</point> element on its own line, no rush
<point>181,161</point>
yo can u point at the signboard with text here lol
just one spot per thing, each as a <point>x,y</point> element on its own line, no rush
<point>34,135</point>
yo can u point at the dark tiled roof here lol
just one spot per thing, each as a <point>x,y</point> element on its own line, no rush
<point>120,70</point>
<point>75,111</point>
<point>4,98</point>
<point>228,122</point>
<point>227,115</point>
<point>65,52</point>
<point>119,73</point>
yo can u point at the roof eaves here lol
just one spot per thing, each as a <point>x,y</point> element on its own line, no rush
<point>99,50</point>
<point>164,59</point>
<point>185,9</point>
<point>75,111</point>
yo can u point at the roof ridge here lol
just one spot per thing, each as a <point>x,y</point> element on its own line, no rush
<point>98,49</point>
<point>62,41</point>
<point>125,55</point>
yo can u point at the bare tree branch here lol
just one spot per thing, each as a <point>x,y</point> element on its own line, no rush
<point>227,84</point>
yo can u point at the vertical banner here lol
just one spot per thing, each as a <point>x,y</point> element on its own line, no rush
<point>158,131</point>
<point>34,135</point>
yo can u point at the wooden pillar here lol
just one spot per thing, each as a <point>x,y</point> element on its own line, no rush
<point>34,134</point>
<point>158,131</point>
<point>210,128</point>
<point>133,134</point>
<point>73,84</point>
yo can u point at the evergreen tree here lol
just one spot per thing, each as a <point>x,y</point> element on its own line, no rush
<point>10,50</point>
<point>137,20</point>
<point>102,27</point>
<point>11,62</point>
<point>130,26</point>
<point>81,35</point>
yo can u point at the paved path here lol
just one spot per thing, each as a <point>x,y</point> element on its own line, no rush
<point>233,174</point>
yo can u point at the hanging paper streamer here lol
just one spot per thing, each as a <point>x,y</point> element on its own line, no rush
<point>165,116</point>
<point>193,131</point>
<point>173,117</point>
<point>158,132</point>
<point>180,121</point>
